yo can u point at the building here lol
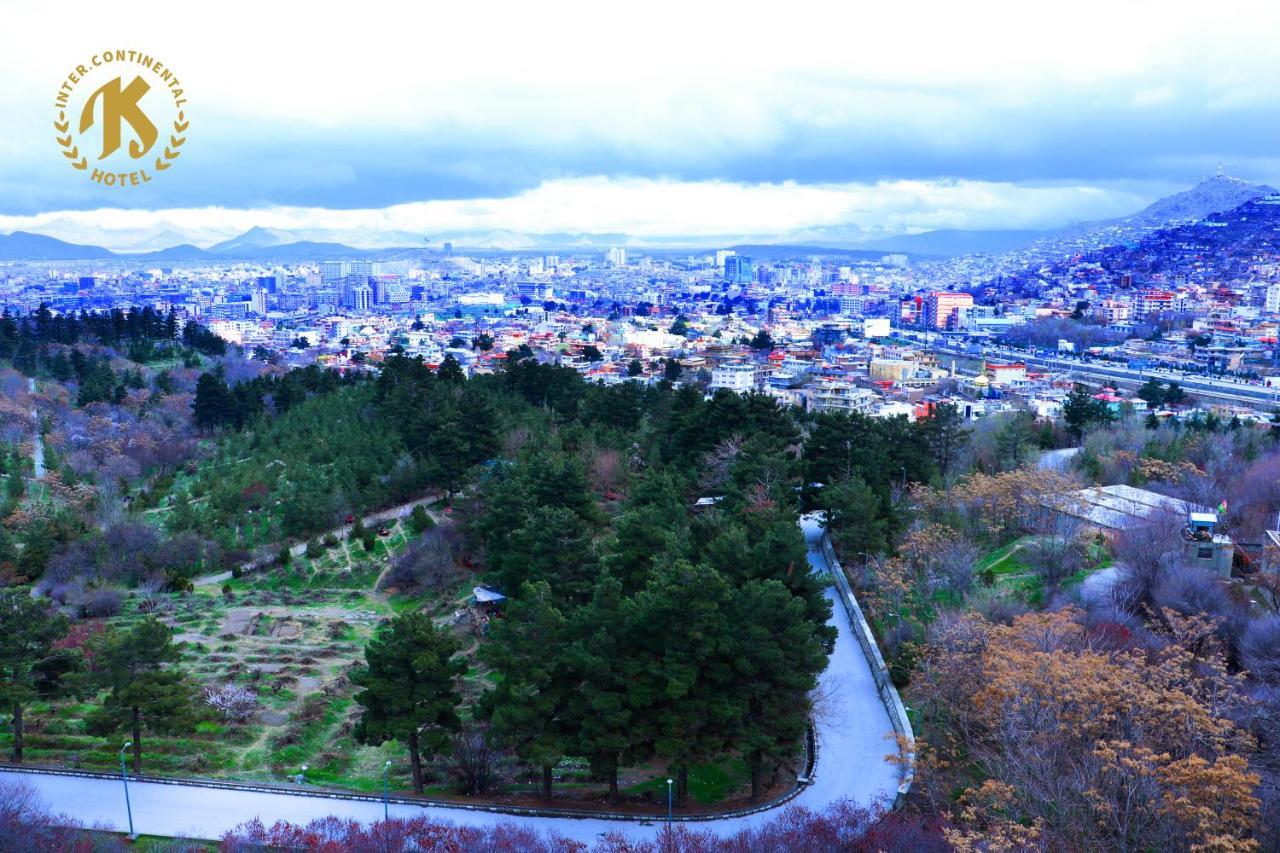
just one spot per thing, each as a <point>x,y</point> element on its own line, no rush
<point>334,272</point>
<point>739,269</point>
<point>1111,509</point>
<point>737,376</point>
<point>839,396</point>
<point>944,309</point>
<point>1272,302</point>
<point>360,298</point>
<point>617,256</point>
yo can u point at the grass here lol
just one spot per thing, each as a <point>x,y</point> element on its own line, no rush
<point>708,783</point>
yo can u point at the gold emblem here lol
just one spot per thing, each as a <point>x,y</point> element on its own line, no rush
<point>121,95</point>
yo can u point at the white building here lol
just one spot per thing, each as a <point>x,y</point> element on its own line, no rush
<point>739,377</point>
<point>836,396</point>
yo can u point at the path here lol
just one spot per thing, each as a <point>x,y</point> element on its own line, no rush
<point>1057,460</point>
<point>339,533</point>
<point>37,456</point>
<point>854,738</point>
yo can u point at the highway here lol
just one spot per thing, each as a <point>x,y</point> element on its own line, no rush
<point>854,737</point>
<point>1220,389</point>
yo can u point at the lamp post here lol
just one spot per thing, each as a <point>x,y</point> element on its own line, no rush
<point>669,818</point>
<point>386,789</point>
<point>124,777</point>
<point>301,778</point>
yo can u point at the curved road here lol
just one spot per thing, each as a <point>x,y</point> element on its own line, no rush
<point>854,738</point>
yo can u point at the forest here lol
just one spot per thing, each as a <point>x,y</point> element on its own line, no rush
<point>287,578</point>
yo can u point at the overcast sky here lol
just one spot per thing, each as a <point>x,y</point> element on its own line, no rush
<point>655,119</point>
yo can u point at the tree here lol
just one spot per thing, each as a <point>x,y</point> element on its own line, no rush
<point>28,629</point>
<point>591,352</point>
<point>408,691</point>
<point>778,654</point>
<point>529,709</point>
<point>634,368</point>
<point>945,432</point>
<point>1082,412</point>
<point>1153,392</point>
<point>213,405</point>
<point>679,662</point>
<point>451,371</point>
<point>853,515</point>
<point>762,341</point>
<point>146,690</point>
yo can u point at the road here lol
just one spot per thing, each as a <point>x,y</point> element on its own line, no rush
<point>297,550</point>
<point>1222,389</point>
<point>854,738</point>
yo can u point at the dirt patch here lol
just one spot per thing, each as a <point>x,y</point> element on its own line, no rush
<point>237,621</point>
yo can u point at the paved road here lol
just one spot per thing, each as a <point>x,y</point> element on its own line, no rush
<point>854,735</point>
<point>1219,388</point>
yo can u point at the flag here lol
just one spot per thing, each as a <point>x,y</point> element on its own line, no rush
<point>1222,507</point>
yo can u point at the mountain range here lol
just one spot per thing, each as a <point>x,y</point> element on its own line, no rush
<point>1213,195</point>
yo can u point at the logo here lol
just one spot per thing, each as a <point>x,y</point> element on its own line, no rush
<point>121,118</point>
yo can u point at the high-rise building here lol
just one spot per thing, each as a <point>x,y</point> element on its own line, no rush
<point>333,272</point>
<point>360,298</point>
<point>943,308</point>
<point>738,269</point>
<point>1272,303</point>
<point>617,256</point>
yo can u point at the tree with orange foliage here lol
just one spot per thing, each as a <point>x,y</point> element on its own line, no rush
<point>1095,746</point>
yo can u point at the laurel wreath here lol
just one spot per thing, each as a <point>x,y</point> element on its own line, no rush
<point>72,151</point>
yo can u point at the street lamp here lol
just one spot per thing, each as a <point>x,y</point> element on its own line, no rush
<point>301,778</point>
<point>386,789</point>
<point>124,777</point>
<point>669,804</point>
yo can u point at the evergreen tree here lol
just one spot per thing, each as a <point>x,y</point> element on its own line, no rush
<point>408,691</point>
<point>947,436</point>
<point>28,629</point>
<point>451,371</point>
<point>1082,412</point>
<point>147,691</point>
<point>777,657</point>
<point>529,709</point>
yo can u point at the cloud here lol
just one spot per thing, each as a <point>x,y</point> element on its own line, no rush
<point>648,210</point>
<point>396,104</point>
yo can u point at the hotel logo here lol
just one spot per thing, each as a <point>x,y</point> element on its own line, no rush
<point>120,118</point>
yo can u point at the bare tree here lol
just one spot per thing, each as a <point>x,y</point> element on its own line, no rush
<point>1260,649</point>
<point>474,762</point>
<point>1143,551</point>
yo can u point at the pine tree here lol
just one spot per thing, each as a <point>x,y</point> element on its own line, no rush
<point>146,690</point>
<point>529,709</point>
<point>408,688</point>
<point>28,629</point>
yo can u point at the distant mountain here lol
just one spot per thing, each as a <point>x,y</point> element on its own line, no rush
<point>184,252</point>
<point>1212,195</point>
<point>783,251</point>
<point>952,242</point>
<point>254,238</point>
<point>25,246</point>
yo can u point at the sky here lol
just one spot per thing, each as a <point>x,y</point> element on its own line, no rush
<point>661,121</point>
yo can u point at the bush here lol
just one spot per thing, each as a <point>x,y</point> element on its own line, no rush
<point>285,556</point>
<point>420,520</point>
<point>102,601</point>
<point>1260,649</point>
<point>314,549</point>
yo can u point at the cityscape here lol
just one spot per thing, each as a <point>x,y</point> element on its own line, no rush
<point>832,431</point>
